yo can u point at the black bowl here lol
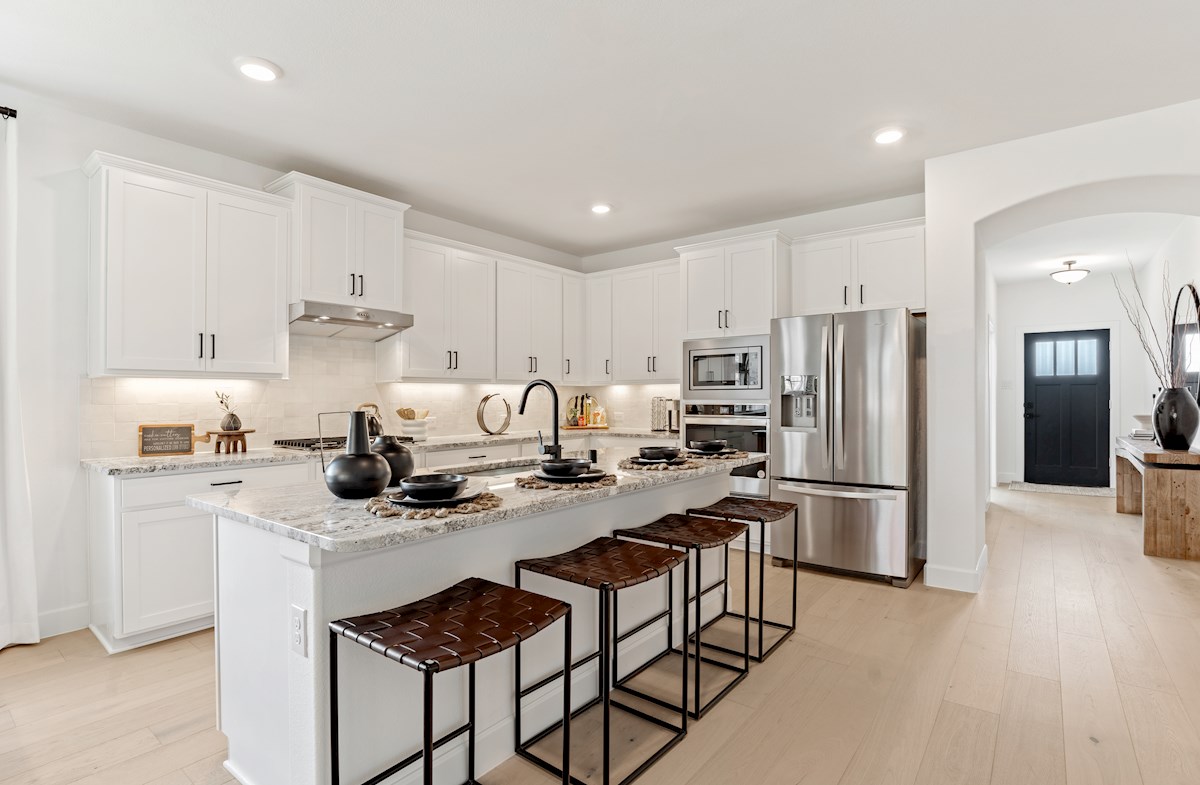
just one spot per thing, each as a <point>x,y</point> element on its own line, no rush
<point>658,453</point>
<point>433,487</point>
<point>710,445</point>
<point>566,467</point>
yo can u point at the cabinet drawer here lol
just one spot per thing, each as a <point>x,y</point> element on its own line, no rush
<point>472,455</point>
<point>172,488</point>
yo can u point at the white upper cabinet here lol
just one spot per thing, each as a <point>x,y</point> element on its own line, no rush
<point>860,270</point>
<point>529,339</point>
<point>349,243</point>
<point>574,324</point>
<point>188,275</point>
<point>451,294</point>
<point>734,287</point>
<point>598,291</point>
<point>646,311</point>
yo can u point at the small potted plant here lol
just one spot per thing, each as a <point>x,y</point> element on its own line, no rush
<point>230,422</point>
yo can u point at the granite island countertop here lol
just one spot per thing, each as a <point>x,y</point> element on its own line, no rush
<point>273,455</point>
<point>310,514</point>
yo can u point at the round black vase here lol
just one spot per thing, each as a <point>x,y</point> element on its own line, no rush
<point>397,456</point>
<point>1176,417</point>
<point>359,473</point>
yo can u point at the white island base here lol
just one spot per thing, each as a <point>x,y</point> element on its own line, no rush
<point>274,678</point>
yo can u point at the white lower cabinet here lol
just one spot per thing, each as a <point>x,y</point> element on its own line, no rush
<point>151,555</point>
<point>467,455</point>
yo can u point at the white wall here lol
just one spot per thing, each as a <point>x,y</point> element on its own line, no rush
<point>899,208</point>
<point>1148,162</point>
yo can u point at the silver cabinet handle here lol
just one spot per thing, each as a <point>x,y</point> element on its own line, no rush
<point>878,496</point>
<point>351,284</point>
<point>362,285</point>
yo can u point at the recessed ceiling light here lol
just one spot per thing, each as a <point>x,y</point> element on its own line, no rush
<point>889,135</point>
<point>258,69</point>
<point>601,209</point>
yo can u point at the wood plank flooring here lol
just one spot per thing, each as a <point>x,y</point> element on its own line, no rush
<point>1077,663</point>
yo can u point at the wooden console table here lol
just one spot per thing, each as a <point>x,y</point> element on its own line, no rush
<point>1164,486</point>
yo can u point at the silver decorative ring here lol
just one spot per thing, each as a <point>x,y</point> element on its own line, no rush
<point>479,418</point>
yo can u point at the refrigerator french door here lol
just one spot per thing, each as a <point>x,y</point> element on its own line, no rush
<point>847,447</point>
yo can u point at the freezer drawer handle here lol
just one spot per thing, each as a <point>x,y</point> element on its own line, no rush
<point>877,496</point>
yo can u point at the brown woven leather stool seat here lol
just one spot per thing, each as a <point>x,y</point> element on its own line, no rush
<point>687,531</point>
<point>739,509</point>
<point>607,562</point>
<point>473,619</point>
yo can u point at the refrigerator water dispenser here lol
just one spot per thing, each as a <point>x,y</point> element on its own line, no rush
<point>799,401</point>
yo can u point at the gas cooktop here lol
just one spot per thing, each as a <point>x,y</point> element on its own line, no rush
<point>328,443</point>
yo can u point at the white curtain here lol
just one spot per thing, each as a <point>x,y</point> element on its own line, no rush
<point>18,581</point>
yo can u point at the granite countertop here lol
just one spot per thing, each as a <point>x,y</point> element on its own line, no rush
<point>310,514</point>
<point>269,455</point>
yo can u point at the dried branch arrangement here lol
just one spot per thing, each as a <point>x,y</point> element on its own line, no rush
<point>1169,365</point>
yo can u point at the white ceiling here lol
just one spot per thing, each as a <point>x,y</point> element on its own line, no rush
<point>1101,243</point>
<point>687,115</point>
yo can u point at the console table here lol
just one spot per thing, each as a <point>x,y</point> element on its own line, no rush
<point>1164,486</point>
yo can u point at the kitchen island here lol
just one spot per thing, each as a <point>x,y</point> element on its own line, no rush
<point>290,560</point>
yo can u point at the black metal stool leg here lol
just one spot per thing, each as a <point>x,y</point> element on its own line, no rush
<point>746,618</point>
<point>471,722</point>
<point>699,628</point>
<point>335,775</point>
<point>605,604</point>
<point>566,761</point>
<point>616,631</point>
<point>683,703</point>
<point>762,580</point>
<point>427,745</point>
<point>795,558</point>
<point>517,675</point>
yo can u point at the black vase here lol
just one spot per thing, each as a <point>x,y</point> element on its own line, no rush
<point>397,456</point>
<point>1176,417</point>
<point>359,473</point>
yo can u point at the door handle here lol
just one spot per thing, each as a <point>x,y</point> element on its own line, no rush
<point>839,398</point>
<point>647,364</point>
<point>568,366</point>
<point>845,295</point>
<point>860,294</point>
<point>351,284</point>
<point>535,363</point>
<point>654,364</point>
<point>449,365</point>
<point>530,357</point>
<point>606,371</point>
<point>362,285</point>
<point>727,320</point>
<point>718,318</point>
<point>201,345</point>
<point>825,427</point>
<point>1029,416</point>
<point>455,353</point>
<point>877,496</point>
<point>212,352</point>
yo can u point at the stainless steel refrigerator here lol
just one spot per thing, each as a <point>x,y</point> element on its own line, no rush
<point>848,444</point>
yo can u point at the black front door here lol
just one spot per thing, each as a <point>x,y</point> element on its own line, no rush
<point>1066,408</point>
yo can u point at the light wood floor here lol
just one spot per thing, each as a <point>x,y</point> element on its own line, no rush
<point>1078,662</point>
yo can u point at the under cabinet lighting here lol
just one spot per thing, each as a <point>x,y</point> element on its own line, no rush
<point>258,69</point>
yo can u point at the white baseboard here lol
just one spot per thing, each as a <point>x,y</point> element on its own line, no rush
<point>68,619</point>
<point>1007,477</point>
<point>957,578</point>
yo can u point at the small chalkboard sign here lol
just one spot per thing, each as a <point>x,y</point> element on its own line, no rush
<point>166,439</point>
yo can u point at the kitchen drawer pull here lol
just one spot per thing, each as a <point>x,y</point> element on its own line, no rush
<point>201,345</point>
<point>476,457</point>
<point>875,496</point>
<point>351,284</point>
<point>362,285</point>
<point>228,482</point>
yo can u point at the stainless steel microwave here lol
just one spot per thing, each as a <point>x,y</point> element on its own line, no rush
<point>726,369</point>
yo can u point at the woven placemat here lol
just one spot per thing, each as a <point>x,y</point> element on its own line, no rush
<point>730,456</point>
<point>537,484</point>
<point>382,508</point>
<point>628,465</point>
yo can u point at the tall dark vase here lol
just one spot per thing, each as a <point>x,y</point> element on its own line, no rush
<point>1176,417</point>
<point>359,473</point>
<point>398,457</point>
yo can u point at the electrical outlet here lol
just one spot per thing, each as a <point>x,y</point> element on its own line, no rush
<point>298,631</point>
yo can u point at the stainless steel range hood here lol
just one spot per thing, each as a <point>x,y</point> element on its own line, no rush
<point>331,320</point>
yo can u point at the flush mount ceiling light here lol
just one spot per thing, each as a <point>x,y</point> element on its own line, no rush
<point>601,209</point>
<point>258,69</point>
<point>1069,274</point>
<point>889,135</point>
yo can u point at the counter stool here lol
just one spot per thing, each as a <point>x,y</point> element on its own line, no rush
<point>695,534</point>
<point>461,625</point>
<point>762,511</point>
<point>607,565</point>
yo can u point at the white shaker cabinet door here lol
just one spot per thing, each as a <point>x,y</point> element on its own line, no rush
<point>821,276</point>
<point>633,326</point>
<point>891,269</point>
<point>166,567</point>
<point>473,316</point>
<point>574,322</point>
<point>546,340</point>
<point>599,293</point>
<point>667,360</point>
<point>380,249</point>
<point>704,279</point>
<point>749,287</point>
<point>426,345</point>
<point>514,321</point>
<point>247,282</point>
<point>154,282</point>
<point>328,267</point>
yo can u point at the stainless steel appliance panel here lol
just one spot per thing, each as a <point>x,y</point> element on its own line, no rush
<point>871,398</point>
<point>845,527</point>
<point>745,427</point>
<point>726,369</point>
<point>802,442</point>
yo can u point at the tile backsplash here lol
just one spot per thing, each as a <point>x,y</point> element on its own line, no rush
<point>326,376</point>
